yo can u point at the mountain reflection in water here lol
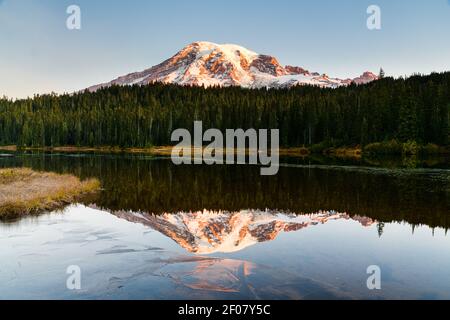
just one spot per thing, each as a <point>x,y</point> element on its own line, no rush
<point>207,232</point>
<point>325,224</point>
<point>124,260</point>
<point>145,184</point>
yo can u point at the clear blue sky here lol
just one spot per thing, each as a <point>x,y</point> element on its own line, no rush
<point>38,54</point>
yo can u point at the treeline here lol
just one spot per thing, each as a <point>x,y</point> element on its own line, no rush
<point>413,109</point>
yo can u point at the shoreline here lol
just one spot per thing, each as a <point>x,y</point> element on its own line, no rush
<point>340,152</point>
<point>167,150</point>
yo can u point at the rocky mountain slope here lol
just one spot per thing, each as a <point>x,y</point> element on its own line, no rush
<point>209,64</point>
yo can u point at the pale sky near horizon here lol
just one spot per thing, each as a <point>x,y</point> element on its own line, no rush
<point>38,54</point>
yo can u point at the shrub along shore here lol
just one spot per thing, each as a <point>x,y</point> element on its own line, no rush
<point>24,191</point>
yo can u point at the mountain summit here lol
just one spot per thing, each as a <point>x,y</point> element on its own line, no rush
<point>209,64</point>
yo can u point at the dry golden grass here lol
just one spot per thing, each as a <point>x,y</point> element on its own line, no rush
<point>8,148</point>
<point>294,152</point>
<point>24,191</point>
<point>345,152</point>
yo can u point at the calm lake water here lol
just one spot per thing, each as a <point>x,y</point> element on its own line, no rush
<point>158,231</point>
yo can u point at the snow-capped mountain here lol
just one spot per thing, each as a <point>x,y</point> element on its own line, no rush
<point>210,64</point>
<point>207,232</point>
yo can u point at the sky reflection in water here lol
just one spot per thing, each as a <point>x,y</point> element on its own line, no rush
<point>325,226</point>
<point>304,257</point>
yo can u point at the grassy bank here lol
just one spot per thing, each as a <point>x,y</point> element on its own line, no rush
<point>24,191</point>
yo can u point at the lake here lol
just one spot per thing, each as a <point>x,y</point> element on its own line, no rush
<point>160,231</point>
